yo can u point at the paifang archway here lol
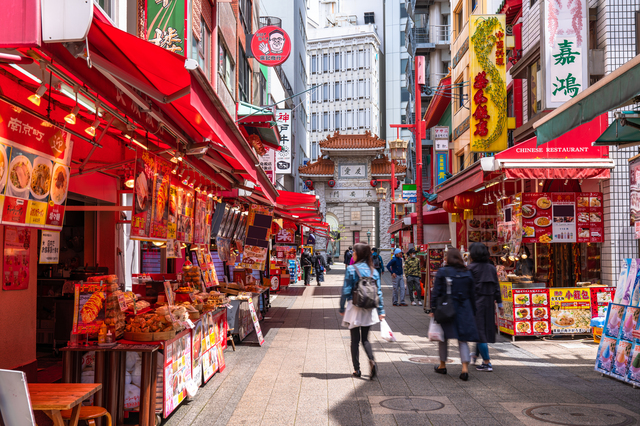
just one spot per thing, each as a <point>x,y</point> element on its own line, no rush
<point>343,180</point>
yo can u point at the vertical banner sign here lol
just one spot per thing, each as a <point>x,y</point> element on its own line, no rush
<point>268,164</point>
<point>634,200</point>
<point>283,157</point>
<point>487,72</point>
<point>166,24</point>
<point>441,138</point>
<point>142,195</point>
<point>50,248</point>
<point>442,166</point>
<point>565,49</point>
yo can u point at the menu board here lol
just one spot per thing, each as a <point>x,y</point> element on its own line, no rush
<point>88,308</point>
<point>34,170</point>
<point>531,312</point>
<point>203,215</point>
<point>185,207</point>
<point>214,336</point>
<point>484,229</point>
<point>284,254</point>
<point>16,258</point>
<point>570,310</point>
<point>619,352</point>
<point>562,217</point>
<point>510,223</point>
<point>600,299</point>
<point>177,370</point>
<point>505,322</point>
<point>257,237</point>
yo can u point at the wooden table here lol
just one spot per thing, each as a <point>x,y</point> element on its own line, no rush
<point>51,398</point>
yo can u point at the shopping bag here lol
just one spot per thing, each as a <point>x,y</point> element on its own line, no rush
<point>436,334</point>
<point>385,332</point>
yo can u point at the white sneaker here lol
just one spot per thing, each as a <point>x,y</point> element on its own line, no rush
<point>413,303</point>
<point>420,303</point>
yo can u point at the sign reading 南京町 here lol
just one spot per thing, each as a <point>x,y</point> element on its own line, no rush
<point>166,24</point>
<point>565,50</point>
<point>283,157</point>
<point>271,46</point>
<point>442,165</point>
<point>409,192</point>
<point>488,73</point>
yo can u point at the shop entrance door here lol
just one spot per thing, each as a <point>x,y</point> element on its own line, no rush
<point>356,237</point>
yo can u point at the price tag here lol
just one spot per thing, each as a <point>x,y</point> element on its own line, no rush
<point>122,302</point>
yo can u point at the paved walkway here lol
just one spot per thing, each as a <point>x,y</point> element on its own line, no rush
<point>302,376</point>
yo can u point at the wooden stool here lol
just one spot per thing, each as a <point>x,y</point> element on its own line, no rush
<point>88,413</point>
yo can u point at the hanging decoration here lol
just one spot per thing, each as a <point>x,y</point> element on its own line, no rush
<point>309,184</point>
<point>374,182</point>
<point>331,183</point>
<point>468,201</point>
<point>449,206</point>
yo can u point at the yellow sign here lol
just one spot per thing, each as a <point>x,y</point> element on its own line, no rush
<point>487,75</point>
<point>37,213</point>
<point>570,310</point>
<point>505,322</point>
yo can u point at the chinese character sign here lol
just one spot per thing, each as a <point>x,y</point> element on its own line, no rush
<point>166,24</point>
<point>50,248</point>
<point>353,171</point>
<point>267,162</point>
<point>488,90</point>
<point>442,167</point>
<point>271,46</point>
<point>565,50</point>
<point>283,157</point>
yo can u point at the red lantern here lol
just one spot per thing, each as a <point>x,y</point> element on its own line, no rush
<point>309,184</point>
<point>449,206</point>
<point>468,201</point>
<point>332,183</point>
<point>374,182</point>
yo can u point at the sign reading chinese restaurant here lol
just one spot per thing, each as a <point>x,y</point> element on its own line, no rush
<point>283,157</point>
<point>34,170</point>
<point>565,49</point>
<point>271,46</point>
<point>487,72</point>
<point>166,24</point>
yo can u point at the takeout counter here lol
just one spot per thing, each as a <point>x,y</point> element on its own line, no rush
<point>533,310</point>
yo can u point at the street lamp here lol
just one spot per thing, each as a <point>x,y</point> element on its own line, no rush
<point>368,237</point>
<point>381,192</point>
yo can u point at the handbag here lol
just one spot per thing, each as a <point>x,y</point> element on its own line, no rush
<point>436,334</point>
<point>445,311</point>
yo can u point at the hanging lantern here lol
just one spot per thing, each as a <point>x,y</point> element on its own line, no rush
<point>332,183</point>
<point>374,182</point>
<point>381,193</point>
<point>449,206</point>
<point>398,150</point>
<point>309,184</point>
<point>468,201</point>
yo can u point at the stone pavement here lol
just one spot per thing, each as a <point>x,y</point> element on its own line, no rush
<point>302,376</point>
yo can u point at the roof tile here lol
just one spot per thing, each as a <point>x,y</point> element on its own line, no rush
<point>323,166</point>
<point>362,141</point>
<point>382,166</point>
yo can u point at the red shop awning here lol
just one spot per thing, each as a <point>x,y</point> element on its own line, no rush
<point>397,226</point>
<point>439,103</point>
<point>571,156</point>
<point>177,87</point>
<point>435,217</point>
<point>467,179</point>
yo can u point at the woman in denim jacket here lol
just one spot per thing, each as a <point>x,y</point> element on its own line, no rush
<point>360,320</point>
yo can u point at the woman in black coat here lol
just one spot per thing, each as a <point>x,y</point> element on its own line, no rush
<point>487,294</point>
<point>463,327</point>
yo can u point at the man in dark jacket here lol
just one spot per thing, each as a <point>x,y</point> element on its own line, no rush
<point>378,263</point>
<point>348,253</point>
<point>397,277</point>
<point>412,270</point>
<point>319,265</point>
<point>305,262</point>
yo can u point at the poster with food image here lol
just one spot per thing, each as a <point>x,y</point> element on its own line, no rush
<point>614,320</point>
<point>606,354</point>
<point>620,366</point>
<point>521,298</point>
<point>536,217</point>
<point>160,200</point>
<point>633,375</point>
<point>200,219</point>
<point>16,258</point>
<point>172,221</point>
<point>629,323</point>
<point>186,201</point>
<point>483,229</point>
<point>177,372</point>
<point>143,188</point>
<point>634,187</point>
<point>600,299</point>
<point>570,310</point>
<point>563,211</point>
<point>88,308</point>
<point>590,217</point>
<point>539,297</point>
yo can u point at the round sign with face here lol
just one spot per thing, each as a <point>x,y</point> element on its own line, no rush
<point>271,46</point>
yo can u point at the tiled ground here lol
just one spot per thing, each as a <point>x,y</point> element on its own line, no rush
<point>302,376</point>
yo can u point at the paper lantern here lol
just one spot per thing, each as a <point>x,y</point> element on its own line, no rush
<point>449,206</point>
<point>374,182</point>
<point>468,201</point>
<point>309,184</point>
<point>332,183</point>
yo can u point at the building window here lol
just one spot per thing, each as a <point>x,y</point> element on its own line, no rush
<point>314,122</point>
<point>336,120</point>
<point>403,119</point>
<point>461,162</point>
<point>262,81</point>
<point>361,120</point>
<point>402,38</point>
<point>226,66</point>
<point>336,61</point>
<point>107,6</point>
<point>325,121</point>
<point>458,20</point>
<point>367,58</point>
<point>404,95</point>
<point>201,49</point>
<point>245,15</point>
<point>349,119</point>
<point>361,59</point>
<point>369,18</point>
<point>535,89</point>
<point>314,64</point>
<point>349,89</point>
<point>325,63</point>
<point>244,76</point>
<point>314,95</point>
<point>325,91</point>
<point>403,10</point>
<point>459,94</point>
<point>472,6</point>
<point>349,60</point>
<point>337,92</point>
<point>403,66</point>
<point>361,90</point>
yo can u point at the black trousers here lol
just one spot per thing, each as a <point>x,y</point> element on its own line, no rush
<point>307,275</point>
<point>358,333</point>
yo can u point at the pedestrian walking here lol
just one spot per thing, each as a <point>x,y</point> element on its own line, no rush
<point>487,289</point>
<point>397,277</point>
<point>359,320</point>
<point>348,253</point>
<point>305,262</point>
<point>456,280</point>
<point>378,264</point>
<point>319,265</point>
<point>412,271</point>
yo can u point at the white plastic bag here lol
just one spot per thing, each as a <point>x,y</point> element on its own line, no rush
<point>385,332</point>
<point>436,334</point>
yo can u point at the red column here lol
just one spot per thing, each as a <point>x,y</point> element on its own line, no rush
<point>418,133</point>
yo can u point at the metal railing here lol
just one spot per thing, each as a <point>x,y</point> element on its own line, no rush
<point>266,21</point>
<point>440,34</point>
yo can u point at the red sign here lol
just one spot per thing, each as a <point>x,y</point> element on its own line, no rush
<point>285,236</point>
<point>271,46</point>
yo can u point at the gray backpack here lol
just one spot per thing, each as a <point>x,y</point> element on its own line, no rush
<point>365,292</point>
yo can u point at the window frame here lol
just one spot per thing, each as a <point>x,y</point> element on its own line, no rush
<point>314,64</point>
<point>369,16</point>
<point>226,66</point>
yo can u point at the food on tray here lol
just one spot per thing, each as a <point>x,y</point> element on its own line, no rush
<point>522,299</point>
<point>539,299</point>
<point>474,223</point>
<point>542,221</point>
<point>583,217</point>
<point>59,187</point>
<point>543,203</point>
<point>91,308</point>
<point>540,327</point>
<point>475,236</point>
<point>595,217</point>
<point>41,179</point>
<point>529,231</point>
<point>528,211</point>
<point>149,323</point>
<point>184,290</point>
<point>20,172</point>
<point>546,238</point>
<point>523,327</point>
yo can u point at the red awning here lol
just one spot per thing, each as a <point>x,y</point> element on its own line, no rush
<point>464,181</point>
<point>557,173</point>
<point>439,103</point>
<point>435,217</point>
<point>397,225</point>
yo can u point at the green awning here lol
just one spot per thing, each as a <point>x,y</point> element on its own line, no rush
<point>623,132</point>
<point>255,120</point>
<point>613,91</point>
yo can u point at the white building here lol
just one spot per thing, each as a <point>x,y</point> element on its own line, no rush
<point>345,64</point>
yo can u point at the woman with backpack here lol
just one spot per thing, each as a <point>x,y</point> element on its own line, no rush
<point>454,283</point>
<point>362,281</point>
